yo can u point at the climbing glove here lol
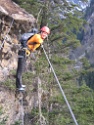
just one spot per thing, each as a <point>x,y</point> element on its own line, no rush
<point>27,52</point>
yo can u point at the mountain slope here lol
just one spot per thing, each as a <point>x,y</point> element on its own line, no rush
<point>87,46</point>
<point>81,4</point>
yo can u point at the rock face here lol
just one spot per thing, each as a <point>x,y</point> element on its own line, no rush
<point>11,9</point>
<point>18,107</point>
<point>88,39</point>
<point>13,22</point>
<point>14,106</point>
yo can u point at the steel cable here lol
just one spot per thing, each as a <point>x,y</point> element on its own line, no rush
<point>62,91</point>
<point>6,34</point>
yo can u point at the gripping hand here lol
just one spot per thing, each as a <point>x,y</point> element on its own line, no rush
<point>27,52</point>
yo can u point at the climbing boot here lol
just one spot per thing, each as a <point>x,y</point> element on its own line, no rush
<point>21,89</point>
<point>23,86</point>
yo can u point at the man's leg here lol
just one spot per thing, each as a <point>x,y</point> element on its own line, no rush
<point>20,68</point>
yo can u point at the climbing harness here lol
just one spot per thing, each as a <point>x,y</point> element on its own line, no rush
<point>7,34</point>
<point>62,91</point>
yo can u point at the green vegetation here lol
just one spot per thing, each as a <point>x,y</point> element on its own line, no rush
<point>3,119</point>
<point>17,123</point>
<point>80,97</point>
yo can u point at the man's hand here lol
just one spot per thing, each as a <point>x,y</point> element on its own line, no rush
<point>27,52</point>
<point>41,45</point>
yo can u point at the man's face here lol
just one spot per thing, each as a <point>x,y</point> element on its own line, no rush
<point>44,35</point>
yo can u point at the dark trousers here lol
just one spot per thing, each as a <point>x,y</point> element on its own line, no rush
<point>20,68</point>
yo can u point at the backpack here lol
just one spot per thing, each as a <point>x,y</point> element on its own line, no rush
<point>26,36</point>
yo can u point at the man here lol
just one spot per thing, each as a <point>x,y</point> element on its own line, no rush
<point>32,44</point>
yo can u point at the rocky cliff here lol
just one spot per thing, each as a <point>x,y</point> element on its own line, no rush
<point>13,22</point>
<point>15,106</point>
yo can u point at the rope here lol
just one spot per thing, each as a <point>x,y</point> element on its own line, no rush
<point>63,94</point>
<point>6,35</point>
